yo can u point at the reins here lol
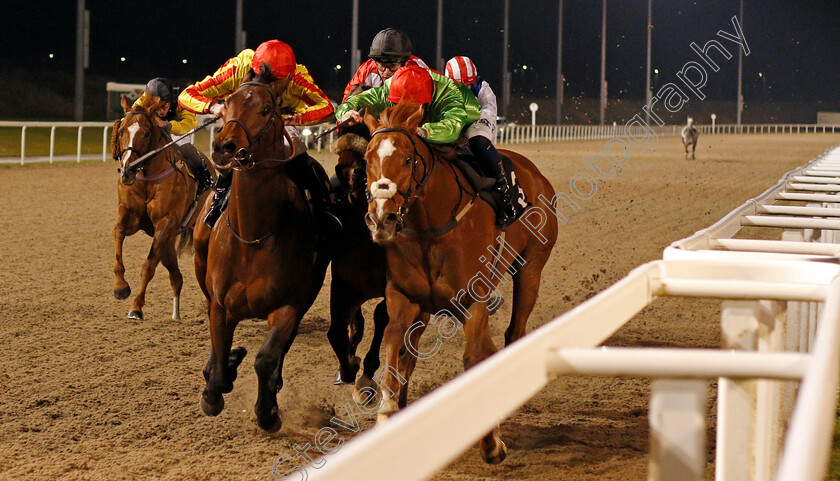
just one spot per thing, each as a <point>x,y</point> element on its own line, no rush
<point>244,157</point>
<point>153,153</point>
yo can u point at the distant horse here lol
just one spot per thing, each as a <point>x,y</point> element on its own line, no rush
<point>358,264</point>
<point>157,204</point>
<point>689,137</point>
<point>262,258</point>
<point>439,241</point>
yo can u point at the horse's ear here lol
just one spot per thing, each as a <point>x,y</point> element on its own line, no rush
<point>126,105</point>
<point>115,139</point>
<point>371,121</point>
<point>416,118</point>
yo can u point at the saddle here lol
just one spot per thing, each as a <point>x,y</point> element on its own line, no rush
<point>484,182</point>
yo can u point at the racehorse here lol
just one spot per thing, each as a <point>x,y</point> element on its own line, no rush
<point>158,204</point>
<point>438,237</point>
<point>689,137</point>
<point>358,265</point>
<point>262,258</point>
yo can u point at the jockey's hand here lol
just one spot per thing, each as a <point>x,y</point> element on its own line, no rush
<point>159,121</point>
<point>290,120</point>
<point>353,116</point>
<point>218,109</point>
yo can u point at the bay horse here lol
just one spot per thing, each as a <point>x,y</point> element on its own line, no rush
<point>437,237</point>
<point>155,197</point>
<point>358,265</point>
<point>261,259</point>
<point>689,137</point>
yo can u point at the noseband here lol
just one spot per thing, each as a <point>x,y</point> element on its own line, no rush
<point>244,156</point>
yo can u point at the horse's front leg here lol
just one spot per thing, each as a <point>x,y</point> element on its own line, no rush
<point>344,309</point>
<point>269,365</point>
<point>127,224</point>
<point>221,368</point>
<point>392,378</point>
<point>164,239</point>
<point>479,346</point>
<point>170,261</point>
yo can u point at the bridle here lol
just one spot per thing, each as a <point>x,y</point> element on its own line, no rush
<point>244,156</point>
<point>137,167</point>
<point>411,194</point>
<point>131,166</point>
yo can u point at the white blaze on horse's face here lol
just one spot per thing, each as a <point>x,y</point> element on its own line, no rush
<point>383,189</point>
<point>132,131</point>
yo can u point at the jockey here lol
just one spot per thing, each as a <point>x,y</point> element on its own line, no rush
<point>390,50</point>
<point>481,134</point>
<point>175,120</point>
<point>308,104</point>
<point>448,109</point>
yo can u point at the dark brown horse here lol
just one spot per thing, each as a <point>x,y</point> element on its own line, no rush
<point>358,265</point>
<point>444,255</point>
<point>261,259</point>
<point>154,196</point>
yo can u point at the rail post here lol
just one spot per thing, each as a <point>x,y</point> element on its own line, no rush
<point>52,143</point>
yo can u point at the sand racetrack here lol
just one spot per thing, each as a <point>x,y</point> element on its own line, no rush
<point>87,394</point>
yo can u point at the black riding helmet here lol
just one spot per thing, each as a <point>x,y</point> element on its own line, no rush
<point>163,89</point>
<point>390,45</point>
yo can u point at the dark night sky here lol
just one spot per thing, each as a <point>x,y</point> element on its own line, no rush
<point>795,44</point>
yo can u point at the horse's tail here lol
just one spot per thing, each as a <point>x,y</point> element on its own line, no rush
<point>185,241</point>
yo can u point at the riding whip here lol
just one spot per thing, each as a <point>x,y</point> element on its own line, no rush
<point>171,143</point>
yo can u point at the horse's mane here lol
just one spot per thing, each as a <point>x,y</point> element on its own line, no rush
<point>264,77</point>
<point>398,115</point>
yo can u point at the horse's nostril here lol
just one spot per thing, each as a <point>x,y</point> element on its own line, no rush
<point>229,147</point>
<point>390,218</point>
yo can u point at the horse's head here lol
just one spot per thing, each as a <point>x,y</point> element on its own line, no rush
<point>134,135</point>
<point>351,167</point>
<point>251,119</point>
<point>397,167</point>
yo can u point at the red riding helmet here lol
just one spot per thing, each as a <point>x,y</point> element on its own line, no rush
<point>278,55</point>
<point>461,69</point>
<point>412,83</point>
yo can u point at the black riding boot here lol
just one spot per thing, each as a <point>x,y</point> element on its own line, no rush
<point>203,178</point>
<point>506,213</point>
<point>220,197</point>
<point>490,158</point>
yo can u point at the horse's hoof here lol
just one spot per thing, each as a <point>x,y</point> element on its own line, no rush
<point>338,381</point>
<point>138,315</point>
<point>499,454</point>
<point>367,395</point>
<point>212,409</point>
<point>389,407</point>
<point>271,423</point>
<point>122,293</point>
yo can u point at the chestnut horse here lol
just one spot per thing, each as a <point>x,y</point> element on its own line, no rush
<point>261,259</point>
<point>157,204</point>
<point>437,238</point>
<point>358,265</point>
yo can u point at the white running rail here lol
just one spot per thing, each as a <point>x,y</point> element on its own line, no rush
<point>780,322</point>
